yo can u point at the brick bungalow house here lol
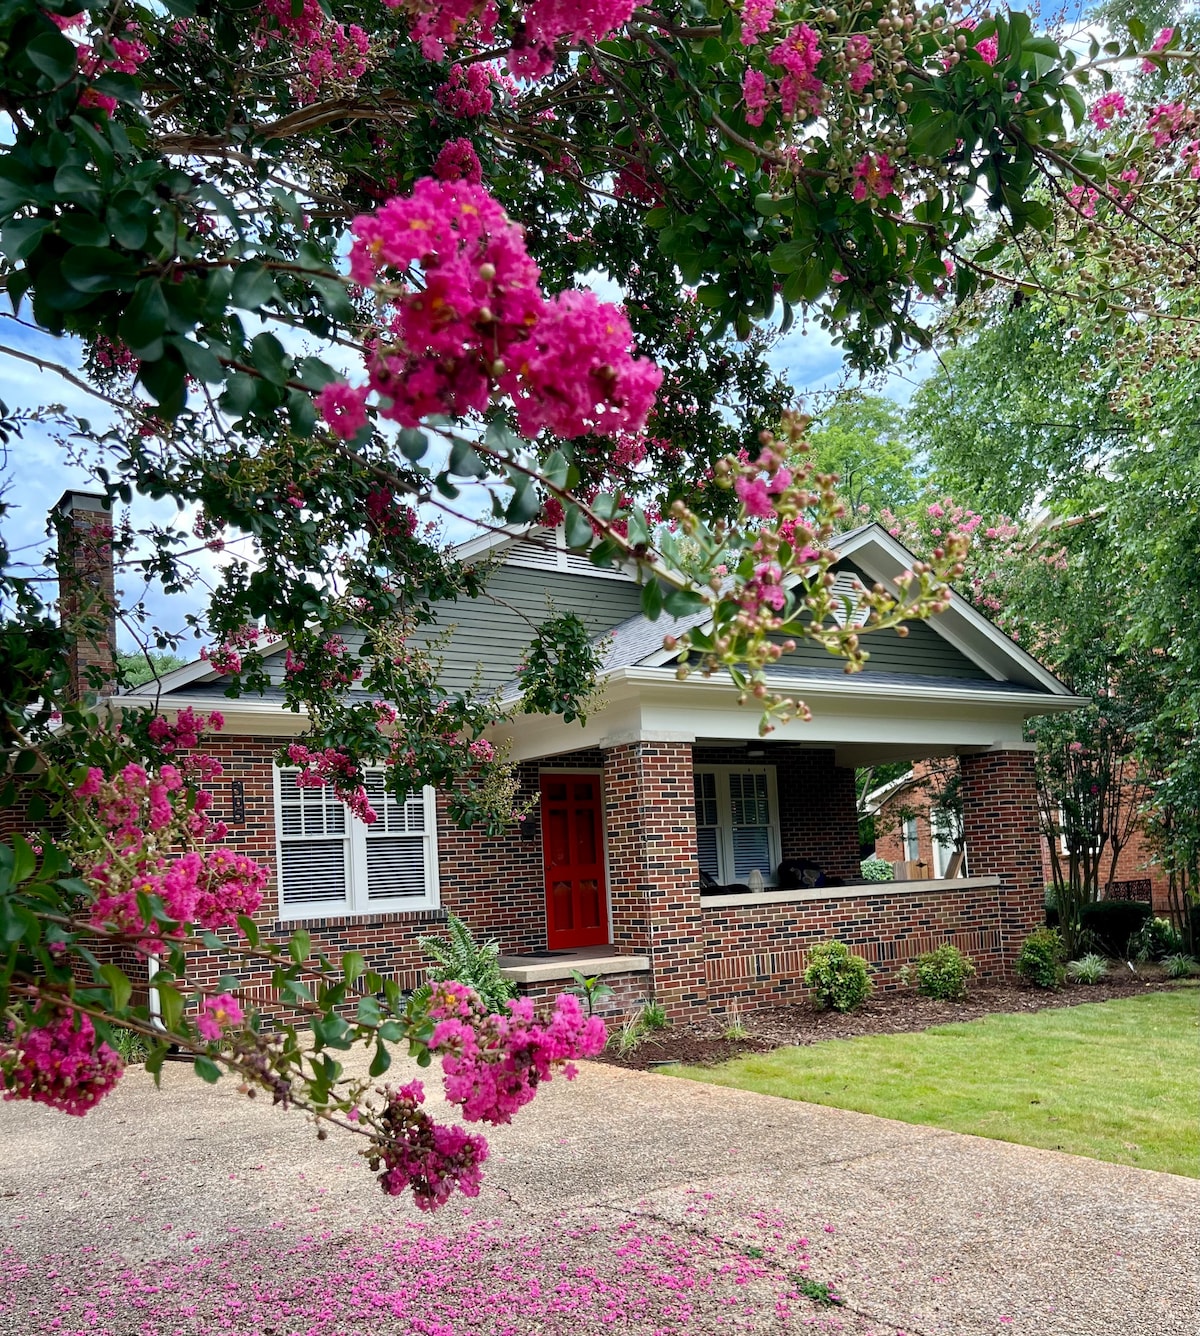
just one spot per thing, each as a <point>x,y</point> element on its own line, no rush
<point>667,781</point>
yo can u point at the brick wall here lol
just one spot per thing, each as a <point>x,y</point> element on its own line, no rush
<point>651,826</point>
<point>87,597</point>
<point>629,992</point>
<point>1000,825</point>
<point>756,954</point>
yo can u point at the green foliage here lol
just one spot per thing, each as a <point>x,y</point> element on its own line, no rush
<point>593,992</point>
<point>459,957</point>
<point>1117,924</point>
<point>862,438</point>
<point>1181,966</point>
<point>1156,939</point>
<point>652,1016</point>
<point>943,973</point>
<point>734,1027</point>
<point>1041,960</point>
<point>132,1046</point>
<point>136,669</point>
<point>560,668</point>
<point>1088,969</point>
<point>876,869</point>
<point>819,1291</point>
<point>839,979</point>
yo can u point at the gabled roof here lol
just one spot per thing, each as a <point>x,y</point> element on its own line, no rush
<point>881,558</point>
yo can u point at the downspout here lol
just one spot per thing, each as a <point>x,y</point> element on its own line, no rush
<point>153,1000</point>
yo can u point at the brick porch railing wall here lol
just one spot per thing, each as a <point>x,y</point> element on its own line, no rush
<point>755,955</point>
<point>1000,825</point>
<point>651,825</point>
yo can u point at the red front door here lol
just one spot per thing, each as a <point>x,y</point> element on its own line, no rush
<point>573,855</point>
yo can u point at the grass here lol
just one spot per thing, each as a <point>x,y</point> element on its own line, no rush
<point>1110,1080</point>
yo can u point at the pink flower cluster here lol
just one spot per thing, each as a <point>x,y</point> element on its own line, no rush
<point>59,1064</point>
<point>873,176</point>
<point>124,55</point>
<point>334,769</point>
<point>1166,122</point>
<point>1107,109</point>
<point>1084,199</point>
<point>458,161</point>
<point>798,90</point>
<point>467,93</point>
<point>184,733</point>
<point>1160,43</point>
<point>387,517</point>
<point>862,67</point>
<point>344,408</point>
<point>113,355</point>
<point>431,1159</point>
<point>987,49</point>
<point>325,50</point>
<point>493,1064</point>
<point>480,322</point>
<point>226,657</point>
<point>757,16</point>
<point>546,22</point>
<point>217,1015</point>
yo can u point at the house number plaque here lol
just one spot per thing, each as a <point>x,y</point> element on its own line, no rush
<point>237,802</point>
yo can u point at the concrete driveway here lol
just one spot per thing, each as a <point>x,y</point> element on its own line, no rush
<point>624,1202</point>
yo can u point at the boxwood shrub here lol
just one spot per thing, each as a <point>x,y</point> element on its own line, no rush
<point>1041,959</point>
<point>839,979</point>
<point>1114,922</point>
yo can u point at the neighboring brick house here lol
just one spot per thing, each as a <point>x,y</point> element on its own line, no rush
<point>904,833</point>
<point>667,779</point>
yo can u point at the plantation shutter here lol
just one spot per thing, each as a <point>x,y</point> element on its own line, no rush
<point>750,824</point>
<point>313,848</point>
<point>398,847</point>
<point>707,823</point>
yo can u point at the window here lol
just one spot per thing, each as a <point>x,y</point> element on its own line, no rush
<point>736,831</point>
<point>912,843</point>
<point>943,851</point>
<point>331,863</point>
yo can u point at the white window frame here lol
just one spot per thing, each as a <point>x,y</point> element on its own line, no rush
<point>355,901</point>
<point>724,827</point>
<point>910,833</point>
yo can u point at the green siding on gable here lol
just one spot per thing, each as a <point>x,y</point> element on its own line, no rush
<point>923,651</point>
<point>490,635</point>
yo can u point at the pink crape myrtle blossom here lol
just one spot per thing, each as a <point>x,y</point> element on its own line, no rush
<point>325,51</point>
<point>754,496</point>
<point>579,21</point>
<point>801,93</point>
<point>344,408</point>
<point>458,161</point>
<point>1084,199</point>
<point>862,67</point>
<point>757,16</point>
<point>873,176</point>
<point>480,323</point>
<point>1166,122</point>
<point>217,1015</point>
<point>440,23</point>
<point>427,1158</point>
<point>1106,110</point>
<point>59,1063</point>
<point>468,92</point>
<point>756,96</point>
<point>1160,43</point>
<point>987,49</point>
<point>493,1064</point>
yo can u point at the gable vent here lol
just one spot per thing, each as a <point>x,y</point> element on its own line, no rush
<point>546,550</point>
<point>843,593</point>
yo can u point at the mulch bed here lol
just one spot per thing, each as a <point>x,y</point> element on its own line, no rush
<point>885,1013</point>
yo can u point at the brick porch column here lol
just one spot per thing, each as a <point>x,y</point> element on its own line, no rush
<point>1000,823</point>
<point>652,868</point>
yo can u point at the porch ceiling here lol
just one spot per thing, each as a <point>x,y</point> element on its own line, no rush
<point>862,720</point>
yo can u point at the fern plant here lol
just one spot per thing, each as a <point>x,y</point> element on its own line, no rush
<point>464,960</point>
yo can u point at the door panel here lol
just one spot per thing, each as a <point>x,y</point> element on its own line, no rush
<point>573,858</point>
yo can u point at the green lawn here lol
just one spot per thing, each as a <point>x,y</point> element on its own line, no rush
<point>1116,1080</point>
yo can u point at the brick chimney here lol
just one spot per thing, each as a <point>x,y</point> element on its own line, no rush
<point>87,597</point>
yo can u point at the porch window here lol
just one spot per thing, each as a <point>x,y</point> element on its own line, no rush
<point>737,829</point>
<point>330,863</point>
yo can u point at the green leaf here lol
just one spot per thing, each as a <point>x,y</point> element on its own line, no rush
<point>24,862</point>
<point>525,504</point>
<point>300,945</point>
<point>253,286</point>
<point>207,1070</point>
<point>413,444</point>
<point>118,984</point>
<point>652,599</point>
<point>170,1003</point>
<point>144,321</point>
<point>368,1011</point>
<point>270,358</point>
<point>578,529</point>
<point>200,361</point>
<point>464,462</point>
<point>682,602</point>
<point>97,269</point>
<point>249,929</point>
<point>353,964</point>
<point>381,1061</point>
<point>53,55</point>
<point>166,381</point>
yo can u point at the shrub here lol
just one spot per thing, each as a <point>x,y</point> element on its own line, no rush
<point>130,1046</point>
<point>1088,969</point>
<point>652,1016</point>
<point>1156,939</point>
<point>1040,961</point>
<point>838,978</point>
<point>464,960</point>
<point>1180,966</point>
<point>876,869</point>
<point>943,973</point>
<point>1114,922</point>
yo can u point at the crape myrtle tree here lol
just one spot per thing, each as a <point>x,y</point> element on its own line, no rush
<point>330,263</point>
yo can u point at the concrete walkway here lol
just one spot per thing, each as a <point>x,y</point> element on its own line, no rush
<point>624,1202</point>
